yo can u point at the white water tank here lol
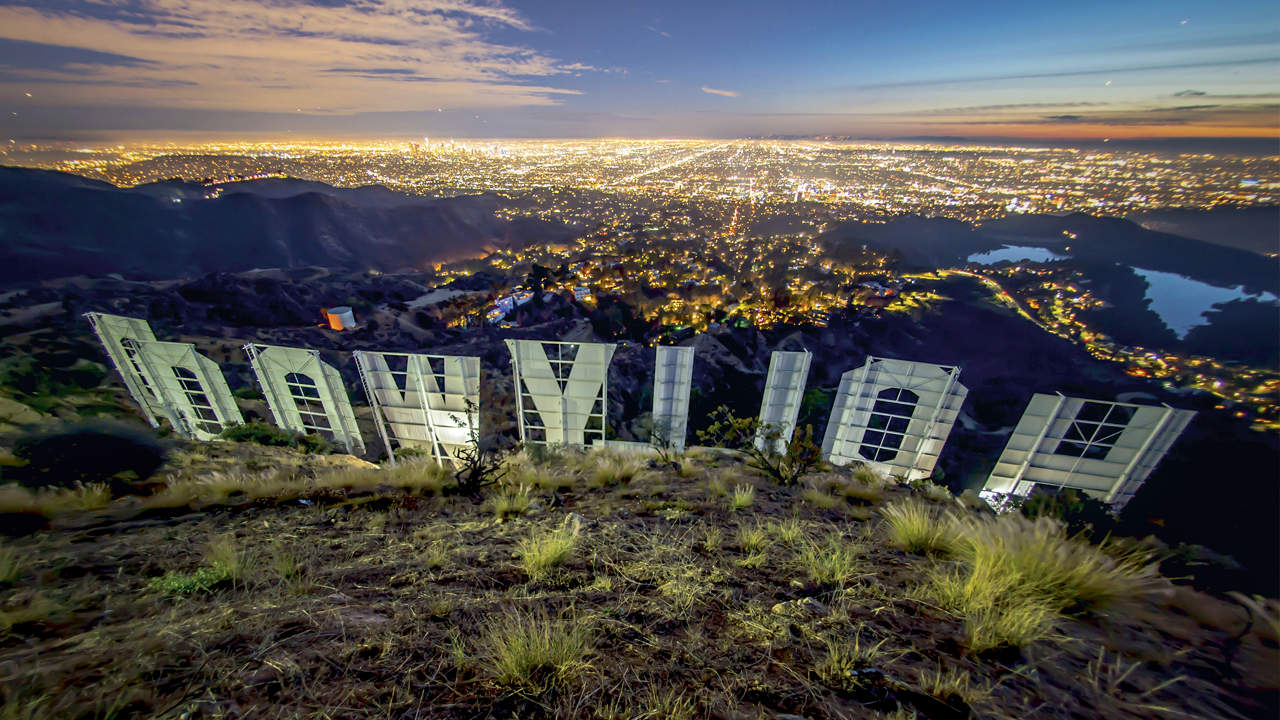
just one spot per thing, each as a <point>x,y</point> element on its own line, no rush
<point>340,318</point>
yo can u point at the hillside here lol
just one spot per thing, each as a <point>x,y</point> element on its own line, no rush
<point>56,225</point>
<point>596,586</point>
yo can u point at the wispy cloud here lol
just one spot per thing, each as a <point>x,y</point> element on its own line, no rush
<point>663,33</point>
<point>725,93</point>
<point>332,56</point>
<point>1115,70</point>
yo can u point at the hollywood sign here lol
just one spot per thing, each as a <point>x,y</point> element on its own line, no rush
<point>892,415</point>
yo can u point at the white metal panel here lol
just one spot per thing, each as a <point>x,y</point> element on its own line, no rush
<point>783,393</point>
<point>190,387</point>
<point>430,401</point>
<point>112,331</point>
<point>561,390</point>
<point>1106,449</point>
<point>672,380</point>
<point>305,393</point>
<point>894,415</point>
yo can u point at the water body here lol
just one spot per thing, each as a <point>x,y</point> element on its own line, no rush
<point>1181,301</point>
<point>1014,253</point>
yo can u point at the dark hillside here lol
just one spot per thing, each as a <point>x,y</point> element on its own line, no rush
<point>57,225</point>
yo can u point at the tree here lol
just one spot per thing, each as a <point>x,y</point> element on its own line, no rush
<point>479,463</point>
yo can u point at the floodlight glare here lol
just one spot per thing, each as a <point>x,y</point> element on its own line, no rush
<point>426,401</point>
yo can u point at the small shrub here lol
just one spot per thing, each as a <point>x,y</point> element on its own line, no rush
<point>918,528</point>
<point>260,433</point>
<point>120,456</point>
<point>1080,513</point>
<point>532,653</point>
<point>784,460</point>
<point>271,436</point>
<point>545,550</point>
<point>743,496</point>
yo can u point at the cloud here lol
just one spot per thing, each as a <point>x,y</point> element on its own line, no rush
<point>714,91</point>
<point>1063,73</point>
<point>663,33</point>
<point>329,56</point>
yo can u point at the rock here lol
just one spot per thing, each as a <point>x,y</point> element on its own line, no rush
<point>803,606</point>
<point>574,518</point>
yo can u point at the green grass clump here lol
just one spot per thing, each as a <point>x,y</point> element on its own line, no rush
<point>742,497</point>
<point>754,538</point>
<point>829,561</point>
<point>919,528</point>
<point>272,436</point>
<point>545,550</point>
<point>531,652</point>
<point>179,583</point>
<point>790,532</point>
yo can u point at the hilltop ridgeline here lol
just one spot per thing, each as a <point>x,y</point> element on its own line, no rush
<point>56,225</point>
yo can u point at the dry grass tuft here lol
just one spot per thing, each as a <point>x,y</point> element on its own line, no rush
<point>1018,576</point>
<point>609,468</point>
<point>754,538</point>
<point>531,652</point>
<point>546,550</point>
<point>916,527</point>
<point>12,566</point>
<point>511,501</point>
<point>846,660</point>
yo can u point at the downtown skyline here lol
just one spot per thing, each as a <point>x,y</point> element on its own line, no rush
<point>81,70</point>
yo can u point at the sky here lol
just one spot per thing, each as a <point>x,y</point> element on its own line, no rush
<point>1087,69</point>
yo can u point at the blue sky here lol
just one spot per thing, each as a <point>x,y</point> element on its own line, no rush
<point>657,69</point>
